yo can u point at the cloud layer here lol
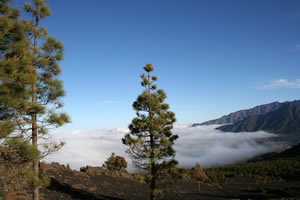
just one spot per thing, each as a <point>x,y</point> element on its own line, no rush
<point>201,144</point>
<point>281,83</point>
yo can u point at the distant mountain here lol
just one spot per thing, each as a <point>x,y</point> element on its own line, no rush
<point>243,114</point>
<point>285,120</point>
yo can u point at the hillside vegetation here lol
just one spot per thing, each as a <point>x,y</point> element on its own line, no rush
<point>283,166</point>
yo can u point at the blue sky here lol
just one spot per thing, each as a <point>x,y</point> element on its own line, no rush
<point>212,57</point>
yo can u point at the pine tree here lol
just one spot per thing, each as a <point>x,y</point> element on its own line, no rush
<point>150,139</point>
<point>30,90</point>
<point>14,69</point>
<point>15,76</point>
<point>46,88</point>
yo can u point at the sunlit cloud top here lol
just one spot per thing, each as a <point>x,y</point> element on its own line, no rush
<point>203,144</point>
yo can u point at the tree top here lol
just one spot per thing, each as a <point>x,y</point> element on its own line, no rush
<point>148,68</point>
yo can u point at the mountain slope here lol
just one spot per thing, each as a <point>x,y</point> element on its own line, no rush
<point>285,120</point>
<point>290,153</point>
<point>293,152</point>
<point>243,114</point>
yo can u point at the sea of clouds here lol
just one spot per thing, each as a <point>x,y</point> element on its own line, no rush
<point>202,144</point>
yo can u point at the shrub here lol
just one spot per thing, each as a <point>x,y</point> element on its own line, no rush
<point>198,174</point>
<point>140,177</point>
<point>115,163</point>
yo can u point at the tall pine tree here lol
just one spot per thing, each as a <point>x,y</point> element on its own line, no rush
<point>150,139</point>
<point>15,77</point>
<point>30,90</point>
<point>46,88</point>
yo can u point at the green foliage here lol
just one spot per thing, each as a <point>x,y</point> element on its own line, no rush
<point>51,147</point>
<point>29,57</point>
<point>24,173</point>
<point>176,173</point>
<point>150,139</point>
<point>6,127</point>
<point>179,172</point>
<point>139,177</point>
<point>40,10</point>
<point>42,181</point>
<point>58,119</point>
<point>23,149</point>
<point>116,163</point>
<point>15,77</point>
<point>30,89</point>
<point>46,89</point>
<point>14,70</point>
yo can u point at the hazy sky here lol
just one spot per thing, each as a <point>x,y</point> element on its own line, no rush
<point>212,57</point>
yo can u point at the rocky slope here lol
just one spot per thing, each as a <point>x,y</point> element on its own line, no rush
<point>95,183</point>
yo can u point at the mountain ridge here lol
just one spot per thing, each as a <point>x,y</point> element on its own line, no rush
<point>285,120</point>
<point>243,114</point>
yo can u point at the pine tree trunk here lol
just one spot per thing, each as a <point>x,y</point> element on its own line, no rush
<point>152,156</point>
<point>36,194</point>
<point>35,163</point>
<point>34,115</point>
<point>35,145</point>
<point>153,172</point>
<point>153,182</point>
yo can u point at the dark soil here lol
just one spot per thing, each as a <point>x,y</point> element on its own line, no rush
<point>95,183</point>
<point>67,184</point>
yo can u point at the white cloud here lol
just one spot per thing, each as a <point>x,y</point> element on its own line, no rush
<point>281,83</point>
<point>211,147</point>
<point>201,144</point>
